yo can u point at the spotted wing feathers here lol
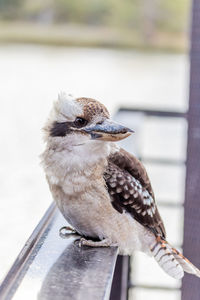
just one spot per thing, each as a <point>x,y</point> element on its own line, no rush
<point>130,190</point>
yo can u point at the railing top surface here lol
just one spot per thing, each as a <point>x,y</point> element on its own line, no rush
<point>51,267</point>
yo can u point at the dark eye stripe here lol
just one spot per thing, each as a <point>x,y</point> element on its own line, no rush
<point>60,129</point>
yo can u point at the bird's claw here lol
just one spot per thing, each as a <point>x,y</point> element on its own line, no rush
<point>102,243</point>
<point>66,231</point>
<point>82,242</point>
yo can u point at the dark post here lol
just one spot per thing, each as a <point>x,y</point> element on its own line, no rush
<point>120,283</point>
<point>191,245</point>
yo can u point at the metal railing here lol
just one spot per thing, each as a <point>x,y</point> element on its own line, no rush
<point>50,267</point>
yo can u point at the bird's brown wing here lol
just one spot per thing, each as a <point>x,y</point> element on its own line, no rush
<point>130,190</point>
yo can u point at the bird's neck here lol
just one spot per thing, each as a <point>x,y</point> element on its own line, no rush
<point>59,161</point>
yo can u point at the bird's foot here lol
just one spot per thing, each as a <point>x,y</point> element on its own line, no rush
<point>102,243</point>
<point>67,231</point>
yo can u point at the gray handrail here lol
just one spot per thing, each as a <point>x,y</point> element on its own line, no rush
<point>50,267</point>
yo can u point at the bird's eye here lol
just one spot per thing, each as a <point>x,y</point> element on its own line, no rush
<point>80,122</point>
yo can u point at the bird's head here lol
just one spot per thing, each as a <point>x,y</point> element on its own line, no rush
<point>80,120</point>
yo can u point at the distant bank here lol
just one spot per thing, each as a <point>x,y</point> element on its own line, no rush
<point>90,36</point>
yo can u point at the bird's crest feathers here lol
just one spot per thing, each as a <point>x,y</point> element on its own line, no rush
<point>66,107</point>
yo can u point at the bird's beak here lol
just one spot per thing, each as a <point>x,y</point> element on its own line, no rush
<point>108,131</point>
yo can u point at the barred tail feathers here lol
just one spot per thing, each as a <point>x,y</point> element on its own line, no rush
<point>185,263</point>
<point>171,261</point>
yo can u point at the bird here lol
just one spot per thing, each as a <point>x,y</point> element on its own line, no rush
<point>102,190</point>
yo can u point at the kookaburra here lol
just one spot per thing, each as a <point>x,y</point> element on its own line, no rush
<point>103,191</point>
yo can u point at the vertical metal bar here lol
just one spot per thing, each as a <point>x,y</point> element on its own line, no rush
<point>191,246</point>
<point>119,290</point>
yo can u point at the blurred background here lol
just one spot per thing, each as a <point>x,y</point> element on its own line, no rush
<point>132,54</point>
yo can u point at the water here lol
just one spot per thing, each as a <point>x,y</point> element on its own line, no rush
<point>30,78</point>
